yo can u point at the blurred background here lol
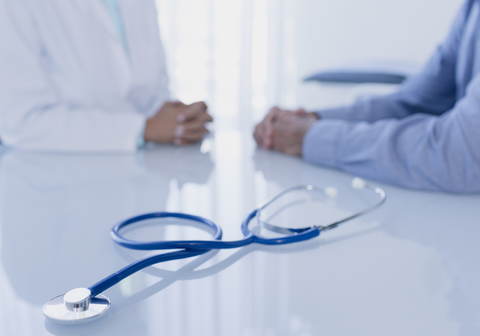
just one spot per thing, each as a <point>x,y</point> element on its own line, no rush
<point>247,55</point>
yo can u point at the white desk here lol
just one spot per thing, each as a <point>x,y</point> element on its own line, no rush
<point>410,268</point>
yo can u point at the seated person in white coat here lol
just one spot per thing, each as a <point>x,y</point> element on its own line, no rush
<point>88,76</point>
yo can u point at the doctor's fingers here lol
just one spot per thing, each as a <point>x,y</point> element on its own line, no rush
<point>190,130</point>
<point>202,117</point>
<point>194,111</point>
<point>174,104</point>
<point>190,137</point>
<point>183,142</point>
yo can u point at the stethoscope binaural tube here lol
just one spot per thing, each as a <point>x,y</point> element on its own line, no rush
<point>86,304</point>
<point>357,183</point>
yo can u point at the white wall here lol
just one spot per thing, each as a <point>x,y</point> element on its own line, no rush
<point>333,32</point>
<point>243,56</point>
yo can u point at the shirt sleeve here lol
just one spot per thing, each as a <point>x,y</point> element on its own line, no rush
<point>421,151</point>
<point>33,116</point>
<point>432,91</point>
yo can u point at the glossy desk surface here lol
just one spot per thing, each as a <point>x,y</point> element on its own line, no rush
<point>410,268</point>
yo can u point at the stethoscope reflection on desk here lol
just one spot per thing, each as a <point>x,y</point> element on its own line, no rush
<point>87,304</point>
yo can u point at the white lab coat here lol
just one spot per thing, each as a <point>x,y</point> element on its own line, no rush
<point>66,81</point>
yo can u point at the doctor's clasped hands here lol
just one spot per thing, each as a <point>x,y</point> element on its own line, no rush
<point>178,123</point>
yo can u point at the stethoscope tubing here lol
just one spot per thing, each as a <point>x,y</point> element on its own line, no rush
<point>138,265</point>
<point>187,249</point>
<point>192,248</point>
<point>216,243</point>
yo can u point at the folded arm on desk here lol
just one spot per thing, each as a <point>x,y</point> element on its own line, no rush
<point>419,137</point>
<point>421,151</point>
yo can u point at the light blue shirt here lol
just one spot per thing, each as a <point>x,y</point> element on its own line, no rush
<point>113,10</point>
<point>427,135</point>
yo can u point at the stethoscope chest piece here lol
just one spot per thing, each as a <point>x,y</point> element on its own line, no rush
<point>77,306</point>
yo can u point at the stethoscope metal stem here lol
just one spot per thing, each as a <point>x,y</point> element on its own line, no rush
<point>357,183</point>
<point>383,198</point>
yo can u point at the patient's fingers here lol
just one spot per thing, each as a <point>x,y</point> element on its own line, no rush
<point>261,137</point>
<point>269,121</point>
<point>290,131</point>
<point>258,134</point>
<point>264,131</point>
<point>301,112</point>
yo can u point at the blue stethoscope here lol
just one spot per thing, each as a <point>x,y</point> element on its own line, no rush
<point>87,304</point>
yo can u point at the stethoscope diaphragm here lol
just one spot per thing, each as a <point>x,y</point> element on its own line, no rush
<point>76,306</point>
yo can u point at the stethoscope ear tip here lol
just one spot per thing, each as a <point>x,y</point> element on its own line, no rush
<point>358,183</point>
<point>331,192</point>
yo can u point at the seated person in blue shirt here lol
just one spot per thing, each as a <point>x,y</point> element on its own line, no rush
<point>426,136</point>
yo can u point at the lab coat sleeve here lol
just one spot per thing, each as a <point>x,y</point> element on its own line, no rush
<point>432,91</point>
<point>32,115</point>
<point>421,151</point>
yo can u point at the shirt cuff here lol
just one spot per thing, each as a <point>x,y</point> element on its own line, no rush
<point>141,138</point>
<point>322,142</point>
<point>344,113</point>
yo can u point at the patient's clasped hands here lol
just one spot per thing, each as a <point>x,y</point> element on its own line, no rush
<point>284,130</point>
